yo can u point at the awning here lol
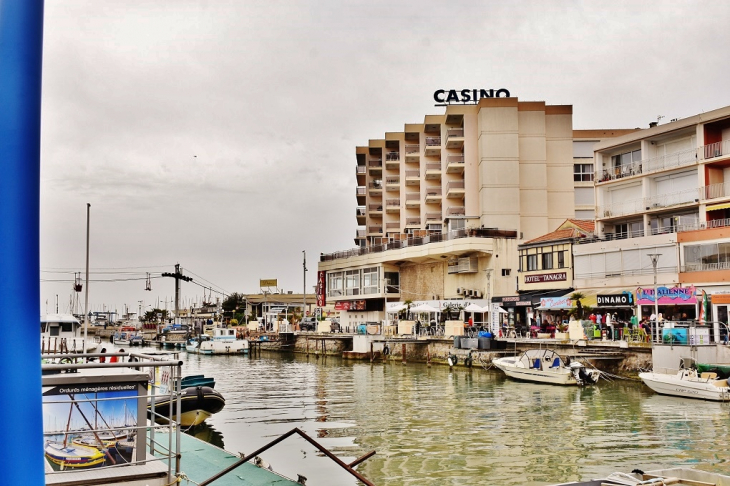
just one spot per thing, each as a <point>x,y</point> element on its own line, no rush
<point>715,207</point>
<point>590,299</point>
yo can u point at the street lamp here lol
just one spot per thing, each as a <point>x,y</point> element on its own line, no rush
<point>654,260</point>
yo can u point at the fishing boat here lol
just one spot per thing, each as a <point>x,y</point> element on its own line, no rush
<point>223,341</point>
<point>60,333</point>
<point>546,366</point>
<point>689,383</point>
<point>196,404</point>
<point>73,455</point>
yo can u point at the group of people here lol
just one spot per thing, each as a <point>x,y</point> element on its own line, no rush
<point>112,359</point>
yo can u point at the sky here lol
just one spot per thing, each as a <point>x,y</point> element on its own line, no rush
<point>220,134</point>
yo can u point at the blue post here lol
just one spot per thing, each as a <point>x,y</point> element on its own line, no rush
<point>21,49</point>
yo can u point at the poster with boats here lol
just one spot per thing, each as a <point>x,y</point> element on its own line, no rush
<point>89,425</point>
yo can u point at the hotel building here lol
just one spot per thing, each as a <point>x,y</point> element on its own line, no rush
<point>443,204</point>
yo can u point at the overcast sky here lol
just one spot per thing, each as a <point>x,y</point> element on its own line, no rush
<point>221,135</point>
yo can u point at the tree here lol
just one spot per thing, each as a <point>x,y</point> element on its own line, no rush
<point>576,296</point>
<point>233,302</point>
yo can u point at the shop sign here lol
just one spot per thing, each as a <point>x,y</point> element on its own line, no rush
<point>667,295</point>
<point>556,302</point>
<point>321,294</point>
<point>720,298</point>
<point>546,277</point>
<point>495,317</point>
<point>527,303</point>
<point>464,96</point>
<point>350,305</point>
<point>624,298</point>
<point>268,282</point>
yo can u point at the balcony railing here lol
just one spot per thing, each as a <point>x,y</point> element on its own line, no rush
<point>413,149</point>
<point>375,185</point>
<point>392,225</point>
<point>721,189</point>
<point>433,141</point>
<point>391,156</point>
<point>454,185</point>
<point>392,202</point>
<point>360,233</point>
<point>360,211</point>
<point>433,166</point>
<point>422,240</point>
<point>634,206</point>
<point>413,196</point>
<point>411,173</point>
<point>360,191</point>
<point>375,163</point>
<point>360,169</point>
<point>375,229</point>
<point>705,267</point>
<point>456,211</point>
<point>455,132</point>
<point>433,217</point>
<point>647,166</point>
<point>413,221</point>
<point>717,149</point>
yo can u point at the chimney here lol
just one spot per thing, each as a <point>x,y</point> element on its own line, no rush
<point>653,124</point>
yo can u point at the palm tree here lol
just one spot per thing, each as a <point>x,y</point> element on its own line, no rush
<point>576,296</point>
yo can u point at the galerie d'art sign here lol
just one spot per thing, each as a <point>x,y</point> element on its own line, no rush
<point>464,96</point>
<point>667,295</point>
<point>546,277</point>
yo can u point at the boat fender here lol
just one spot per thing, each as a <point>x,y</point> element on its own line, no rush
<point>453,360</point>
<point>386,350</point>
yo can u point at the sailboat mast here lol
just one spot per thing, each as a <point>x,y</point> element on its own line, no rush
<point>86,295</point>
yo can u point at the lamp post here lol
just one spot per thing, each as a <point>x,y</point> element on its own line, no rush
<point>654,260</point>
<point>304,289</point>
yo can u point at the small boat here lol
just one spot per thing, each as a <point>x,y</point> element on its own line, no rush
<point>196,404</point>
<point>124,336</point>
<point>223,341</point>
<point>689,383</point>
<point>137,340</point>
<point>546,366</point>
<point>61,333</point>
<point>73,455</point>
<point>677,476</point>
<point>197,380</point>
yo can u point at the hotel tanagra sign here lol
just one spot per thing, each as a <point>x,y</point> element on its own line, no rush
<point>546,277</point>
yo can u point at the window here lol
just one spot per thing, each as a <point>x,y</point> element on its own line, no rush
<point>336,283</point>
<point>370,280</point>
<point>531,262</point>
<point>622,163</point>
<point>547,261</point>
<point>561,259</point>
<point>506,272</point>
<point>582,172</point>
<point>392,282</point>
<point>352,282</point>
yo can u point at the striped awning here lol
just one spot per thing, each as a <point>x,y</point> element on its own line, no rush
<point>715,207</point>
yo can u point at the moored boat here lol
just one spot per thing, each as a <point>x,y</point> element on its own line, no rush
<point>197,380</point>
<point>546,366</point>
<point>223,341</point>
<point>124,336</point>
<point>689,383</point>
<point>196,404</point>
<point>61,333</point>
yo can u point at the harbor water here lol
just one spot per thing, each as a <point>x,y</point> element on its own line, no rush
<point>438,426</point>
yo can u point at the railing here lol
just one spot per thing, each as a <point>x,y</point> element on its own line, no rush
<point>421,240</point>
<point>455,159</point>
<point>413,221</point>
<point>703,267</point>
<point>647,166</point>
<point>360,233</point>
<point>360,169</point>
<point>360,211</point>
<point>392,202</point>
<point>360,190</point>
<point>375,207</point>
<point>721,189</point>
<point>433,217</point>
<point>377,163</point>
<point>433,191</point>
<point>454,185</point>
<point>638,205</point>
<point>375,229</point>
<point>433,166</point>
<point>392,156</point>
<point>455,132</point>
<point>413,196</point>
<point>433,141</point>
<point>392,225</point>
<point>413,173</point>
<point>392,180</point>
<point>717,149</point>
<point>626,272</point>
<point>456,211</point>
<point>413,149</point>
<point>376,185</point>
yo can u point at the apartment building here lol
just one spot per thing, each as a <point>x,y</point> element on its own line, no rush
<point>443,204</point>
<point>662,204</point>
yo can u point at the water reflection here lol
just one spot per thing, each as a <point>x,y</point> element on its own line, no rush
<point>207,433</point>
<point>440,426</point>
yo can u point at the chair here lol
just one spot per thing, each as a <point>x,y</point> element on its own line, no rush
<point>537,364</point>
<point>556,363</point>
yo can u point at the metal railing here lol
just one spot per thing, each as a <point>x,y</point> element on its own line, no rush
<point>433,141</point>
<point>433,166</point>
<point>376,185</point>
<point>360,190</point>
<point>360,169</point>
<point>647,166</point>
<point>433,217</point>
<point>360,233</point>
<point>392,180</point>
<point>638,205</point>
<point>721,189</point>
<point>360,211</point>
<point>426,239</point>
<point>454,185</point>
<point>454,132</point>
<point>456,211</point>
<point>704,267</point>
<point>413,173</point>
<point>392,156</point>
<point>713,150</point>
<point>413,149</point>
<point>413,221</point>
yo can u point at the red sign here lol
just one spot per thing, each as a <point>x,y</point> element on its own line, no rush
<point>546,277</point>
<point>321,289</point>
<point>350,305</point>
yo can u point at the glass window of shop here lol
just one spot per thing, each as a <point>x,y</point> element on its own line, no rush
<point>370,280</point>
<point>352,282</point>
<point>335,284</point>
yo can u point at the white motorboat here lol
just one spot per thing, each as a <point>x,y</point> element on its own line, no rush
<point>688,383</point>
<point>546,366</point>
<point>223,341</point>
<point>61,333</point>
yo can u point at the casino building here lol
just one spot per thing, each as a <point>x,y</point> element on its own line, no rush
<point>443,204</point>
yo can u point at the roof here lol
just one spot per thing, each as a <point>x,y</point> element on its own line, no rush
<point>570,229</point>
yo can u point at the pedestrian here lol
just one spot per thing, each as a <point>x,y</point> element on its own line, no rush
<point>599,319</point>
<point>102,359</point>
<point>592,318</point>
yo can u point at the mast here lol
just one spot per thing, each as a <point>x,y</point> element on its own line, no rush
<point>86,294</point>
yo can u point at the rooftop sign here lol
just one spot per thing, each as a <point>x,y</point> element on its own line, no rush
<point>444,97</point>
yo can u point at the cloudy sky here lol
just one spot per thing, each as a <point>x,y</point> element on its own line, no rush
<point>221,134</point>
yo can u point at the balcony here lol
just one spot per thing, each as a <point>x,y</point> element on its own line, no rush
<point>360,214</point>
<point>455,190</point>
<point>392,205</point>
<point>433,195</point>
<point>375,166</point>
<point>375,210</point>
<point>714,150</point>
<point>660,201</point>
<point>392,184</point>
<point>413,222</point>
<point>433,146</point>
<point>360,234</point>
<point>413,177</point>
<point>413,200</point>
<point>455,138</point>
<point>433,170</point>
<point>392,160</point>
<point>375,230</point>
<point>392,227</point>
<point>705,267</point>
<point>715,191</point>
<point>360,193</point>
<point>375,187</point>
<point>360,172</point>
<point>433,218</point>
<point>413,153</point>
<point>456,211</point>
<point>455,164</point>
<point>648,166</point>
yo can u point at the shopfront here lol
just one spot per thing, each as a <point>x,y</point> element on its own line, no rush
<point>522,310</point>
<point>675,303</point>
<point>720,310</point>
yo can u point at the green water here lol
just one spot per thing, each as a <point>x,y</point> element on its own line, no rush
<point>435,426</point>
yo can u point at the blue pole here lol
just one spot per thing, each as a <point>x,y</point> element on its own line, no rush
<point>21,50</point>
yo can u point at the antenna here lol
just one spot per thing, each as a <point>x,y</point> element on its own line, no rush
<point>148,284</point>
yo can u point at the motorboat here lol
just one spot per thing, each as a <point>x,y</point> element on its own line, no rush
<point>677,476</point>
<point>196,404</point>
<point>124,336</point>
<point>197,380</point>
<point>223,341</point>
<point>61,333</point>
<point>689,383</point>
<point>546,366</point>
